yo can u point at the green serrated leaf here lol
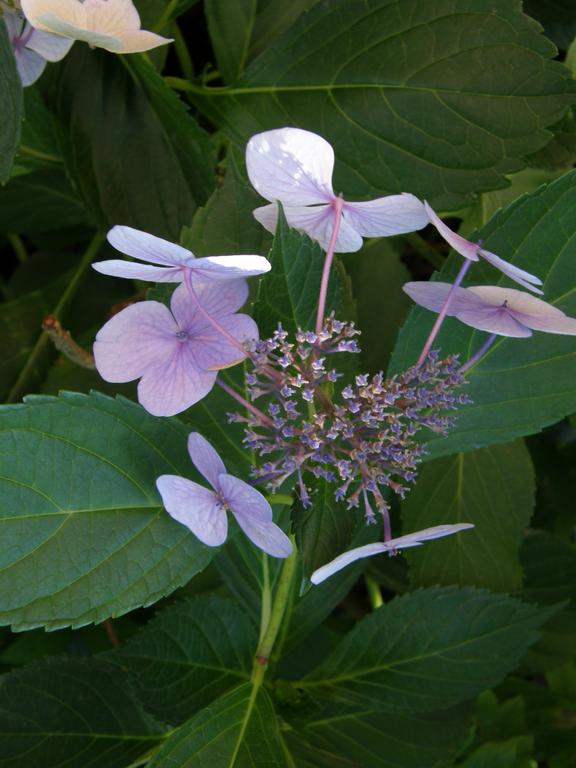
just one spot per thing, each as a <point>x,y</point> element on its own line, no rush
<point>492,488</point>
<point>230,27</point>
<point>189,655</point>
<point>240,729</point>
<point>288,294</point>
<point>85,535</point>
<point>11,105</point>
<point>162,161</point>
<point>445,99</point>
<point>521,385</point>
<point>428,650</point>
<point>74,712</point>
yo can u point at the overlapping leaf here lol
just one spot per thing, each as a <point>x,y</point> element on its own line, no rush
<point>521,385</point>
<point>439,98</point>
<point>492,488</point>
<point>428,650</point>
<point>74,712</point>
<point>84,533</point>
<point>10,105</point>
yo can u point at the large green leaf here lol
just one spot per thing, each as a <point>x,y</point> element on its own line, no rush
<point>74,713</point>
<point>492,488</point>
<point>240,729</point>
<point>189,655</point>
<point>441,98</point>
<point>428,650</point>
<point>343,738</point>
<point>10,105</point>
<point>288,294</point>
<point>230,27</point>
<point>84,533</point>
<point>134,154</point>
<point>521,385</point>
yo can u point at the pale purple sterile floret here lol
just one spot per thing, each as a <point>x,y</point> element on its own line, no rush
<point>473,251</point>
<point>391,547</point>
<point>503,311</point>
<point>33,48</point>
<point>204,510</point>
<point>168,261</point>
<point>295,167</point>
<point>176,353</point>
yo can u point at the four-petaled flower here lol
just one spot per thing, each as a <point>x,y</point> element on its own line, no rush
<point>110,24</point>
<point>33,48</point>
<point>473,251</point>
<point>503,311</point>
<point>203,510</point>
<point>391,547</point>
<point>295,167</point>
<point>173,260</point>
<point>176,354</point>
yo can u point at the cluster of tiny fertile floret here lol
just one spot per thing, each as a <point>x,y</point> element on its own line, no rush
<point>362,436</point>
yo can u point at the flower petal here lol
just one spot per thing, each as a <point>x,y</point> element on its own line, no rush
<point>528,310</point>
<point>111,16</point>
<point>386,216</point>
<point>68,12</point>
<point>205,458</point>
<point>291,165</point>
<point>30,65</point>
<point>195,507</point>
<point>464,247</point>
<point>427,534</point>
<point>141,245</point>
<point>494,320</point>
<point>526,279</point>
<point>174,385</point>
<point>254,516</point>
<point>50,47</point>
<point>138,337</point>
<point>432,296</point>
<point>135,271</point>
<point>213,352</point>
<point>218,299</point>
<point>325,571</point>
<point>316,221</point>
<point>229,267</point>
<point>139,41</point>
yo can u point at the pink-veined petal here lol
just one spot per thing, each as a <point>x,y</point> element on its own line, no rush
<point>176,384</point>
<point>229,267</point>
<point>68,12</point>
<point>528,310</point>
<point>139,41</point>
<point>432,296</point>
<point>291,165</point>
<point>111,16</point>
<point>29,64</point>
<point>138,337</point>
<point>494,320</point>
<point>205,458</point>
<point>141,245</point>
<point>195,507</point>
<point>135,271</point>
<point>244,499</point>
<point>464,247</point>
<point>213,352</point>
<point>57,26</point>
<point>316,221</point>
<point>386,216</point>
<point>218,299</point>
<point>50,47</point>
<point>525,279</point>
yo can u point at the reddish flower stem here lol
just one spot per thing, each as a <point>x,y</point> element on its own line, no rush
<point>242,400</point>
<point>337,207</point>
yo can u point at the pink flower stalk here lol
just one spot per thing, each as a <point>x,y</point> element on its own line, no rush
<point>203,510</point>
<point>33,48</point>
<point>295,167</point>
<point>391,547</point>
<point>501,311</point>
<point>176,353</point>
<point>173,260</point>
<point>473,252</point>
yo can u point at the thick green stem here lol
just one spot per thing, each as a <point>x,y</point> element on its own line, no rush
<point>43,344</point>
<point>374,593</point>
<point>270,634</point>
